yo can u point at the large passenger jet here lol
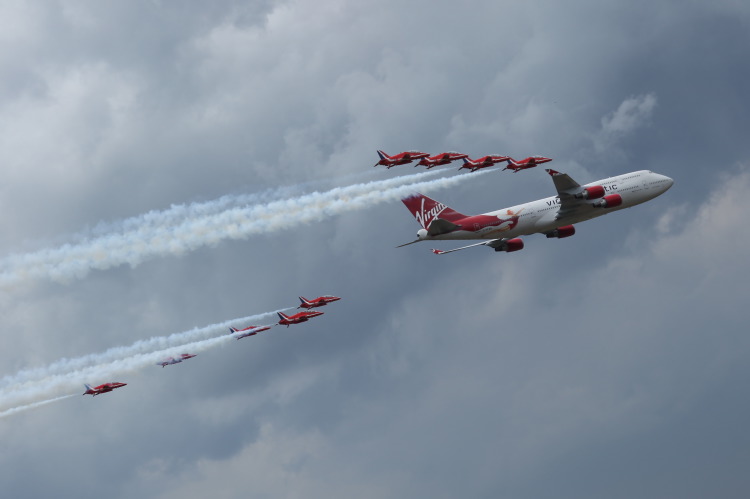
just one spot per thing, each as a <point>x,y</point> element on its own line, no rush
<point>553,216</point>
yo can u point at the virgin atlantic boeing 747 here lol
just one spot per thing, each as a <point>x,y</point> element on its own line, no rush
<point>553,216</point>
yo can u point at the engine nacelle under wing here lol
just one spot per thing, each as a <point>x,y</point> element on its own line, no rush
<point>511,245</point>
<point>593,192</point>
<point>560,232</point>
<point>610,201</point>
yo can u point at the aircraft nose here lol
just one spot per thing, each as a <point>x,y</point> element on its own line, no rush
<point>668,182</point>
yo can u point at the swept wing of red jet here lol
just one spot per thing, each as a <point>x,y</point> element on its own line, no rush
<point>248,331</point>
<point>171,360</point>
<point>98,390</point>
<point>287,320</point>
<point>525,163</point>
<point>317,302</point>
<point>483,162</point>
<point>403,158</point>
<point>442,159</point>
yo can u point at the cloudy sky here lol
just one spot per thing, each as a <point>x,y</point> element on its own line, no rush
<point>610,364</point>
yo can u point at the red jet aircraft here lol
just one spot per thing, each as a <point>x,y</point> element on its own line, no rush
<point>171,360</point>
<point>484,162</point>
<point>317,302</point>
<point>286,320</point>
<point>441,159</point>
<point>98,390</point>
<point>529,162</point>
<point>403,158</point>
<point>250,331</point>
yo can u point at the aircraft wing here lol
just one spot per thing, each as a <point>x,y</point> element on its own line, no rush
<point>494,243</point>
<point>566,188</point>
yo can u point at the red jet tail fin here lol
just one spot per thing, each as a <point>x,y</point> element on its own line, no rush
<point>425,210</point>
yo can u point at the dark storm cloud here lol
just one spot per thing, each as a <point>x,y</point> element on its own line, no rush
<point>533,374</point>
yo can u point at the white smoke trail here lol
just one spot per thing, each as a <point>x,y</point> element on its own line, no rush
<point>25,392</point>
<point>157,238</point>
<point>175,340</point>
<point>26,407</point>
<point>179,212</point>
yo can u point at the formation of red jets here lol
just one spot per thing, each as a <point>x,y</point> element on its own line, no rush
<point>284,320</point>
<point>446,158</point>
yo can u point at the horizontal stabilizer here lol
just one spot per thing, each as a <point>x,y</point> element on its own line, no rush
<point>407,244</point>
<point>484,243</point>
<point>494,243</point>
<point>441,226</point>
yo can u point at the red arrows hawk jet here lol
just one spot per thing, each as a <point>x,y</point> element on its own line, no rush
<point>403,158</point>
<point>317,302</point>
<point>98,390</point>
<point>441,159</point>
<point>248,331</point>
<point>483,162</point>
<point>529,162</point>
<point>287,320</point>
<point>553,216</point>
<point>171,360</point>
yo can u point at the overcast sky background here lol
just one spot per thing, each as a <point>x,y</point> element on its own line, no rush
<point>609,364</point>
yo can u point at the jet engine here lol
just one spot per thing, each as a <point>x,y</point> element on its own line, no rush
<point>560,232</point>
<point>594,192</point>
<point>511,245</point>
<point>609,201</point>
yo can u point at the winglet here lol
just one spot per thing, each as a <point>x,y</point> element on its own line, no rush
<point>437,251</point>
<point>552,172</point>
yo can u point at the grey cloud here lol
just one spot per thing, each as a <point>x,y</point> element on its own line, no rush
<point>488,375</point>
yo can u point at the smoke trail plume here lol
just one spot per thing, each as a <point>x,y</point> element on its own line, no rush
<point>177,235</point>
<point>21,395</point>
<point>26,407</point>
<point>160,343</point>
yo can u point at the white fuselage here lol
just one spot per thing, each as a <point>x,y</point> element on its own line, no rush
<point>541,216</point>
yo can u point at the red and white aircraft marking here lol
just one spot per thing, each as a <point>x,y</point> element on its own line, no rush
<point>171,360</point>
<point>403,158</point>
<point>286,320</point>
<point>441,159</point>
<point>523,164</point>
<point>98,390</point>
<point>248,331</point>
<point>483,162</point>
<point>317,302</point>
<point>553,216</point>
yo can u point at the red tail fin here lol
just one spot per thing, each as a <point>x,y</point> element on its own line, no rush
<point>425,210</point>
